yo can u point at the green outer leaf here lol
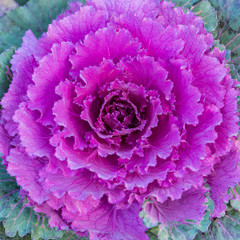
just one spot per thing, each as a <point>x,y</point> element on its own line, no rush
<point>4,237</point>
<point>208,14</point>
<point>185,3</point>
<point>203,9</point>
<point>222,19</point>
<point>227,227</point>
<point>72,236</point>
<point>228,13</point>
<point>5,58</point>
<point>237,189</point>
<point>151,235</point>
<point>19,220</point>
<point>11,205</point>
<point>8,192</point>
<point>179,231</point>
<point>35,15</point>
<point>42,230</point>
<point>235,204</point>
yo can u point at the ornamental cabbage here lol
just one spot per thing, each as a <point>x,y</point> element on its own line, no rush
<point>121,103</point>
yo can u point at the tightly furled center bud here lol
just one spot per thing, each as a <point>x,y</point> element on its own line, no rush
<point>118,115</point>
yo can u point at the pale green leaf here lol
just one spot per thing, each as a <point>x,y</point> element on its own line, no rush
<point>227,227</point>
<point>208,14</point>
<point>228,13</point>
<point>235,204</point>
<point>35,15</point>
<point>20,220</point>
<point>184,3</point>
<point>203,9</point>
<point>179,231</point>
<point>42,230</point>
<point>5,58</point>
<point>4,237</point>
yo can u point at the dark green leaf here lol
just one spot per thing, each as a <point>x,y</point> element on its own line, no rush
<point>152,236</point>
<point>22,2</point>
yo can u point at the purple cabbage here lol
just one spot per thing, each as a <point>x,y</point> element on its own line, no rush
<point>121,102</point>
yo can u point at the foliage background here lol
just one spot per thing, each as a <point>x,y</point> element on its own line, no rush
<point>6,5</point>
